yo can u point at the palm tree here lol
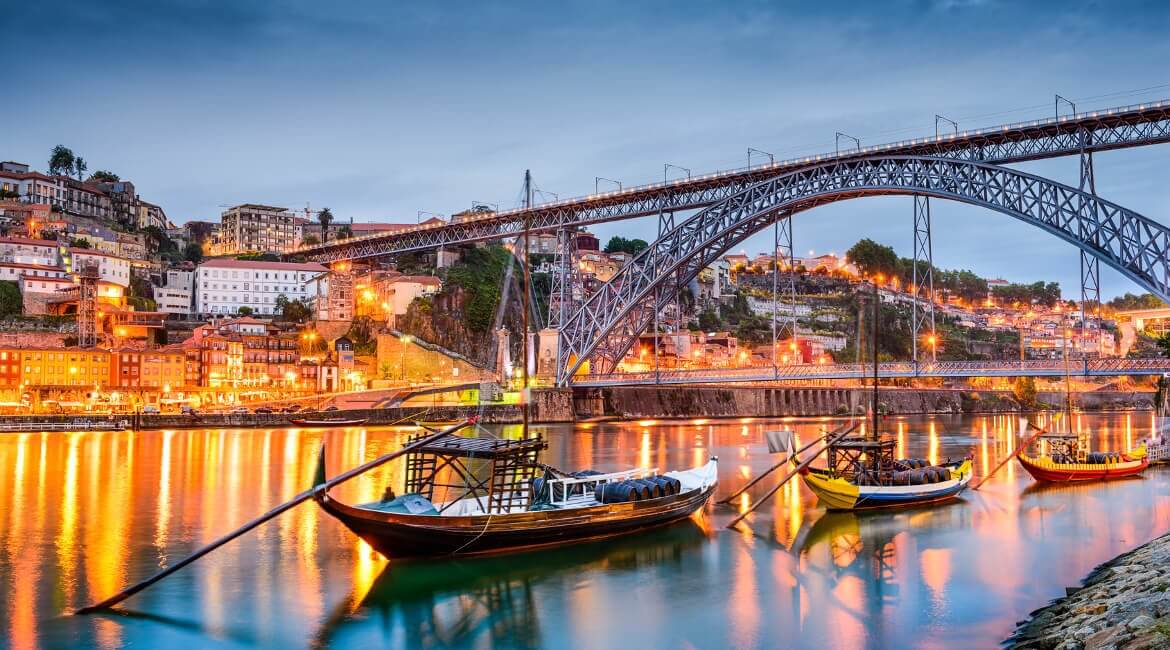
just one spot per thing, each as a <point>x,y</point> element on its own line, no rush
<point>326,218</point>
<point>79,166</point>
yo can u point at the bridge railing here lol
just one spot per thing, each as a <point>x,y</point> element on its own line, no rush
<point>886,370</point>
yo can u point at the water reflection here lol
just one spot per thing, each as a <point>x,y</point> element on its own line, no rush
<point>86,513</point>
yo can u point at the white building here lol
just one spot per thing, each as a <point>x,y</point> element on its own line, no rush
<point>111,268</point>
<point>173,301</point>
<point>222,286</point>
<point>28,251</point>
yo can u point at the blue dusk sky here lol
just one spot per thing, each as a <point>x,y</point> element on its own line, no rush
<point>379,109</point>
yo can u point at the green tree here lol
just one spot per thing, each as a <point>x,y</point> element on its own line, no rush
<point>79,243</point>
<point>295,311</point>
<point>709,321</point>
<point>344,232</point>
<point>193,252</point>
<point>1024,390</point>
<point>104,176</point>
<point>162,243</point>
<point>9,194</point>
<point>310,240</point>
<point>325,217</point>
<point>619,244</point>
<point>1143,301</point>
<point>61,161</point>
<point>872,258</point>
<point>245,311</point>
<point>79,167</point>
<point>11,302</point>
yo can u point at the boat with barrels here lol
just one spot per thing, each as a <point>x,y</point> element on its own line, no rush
<point>505,499</point>
<point>863,474</point>
<point>1065,458</point>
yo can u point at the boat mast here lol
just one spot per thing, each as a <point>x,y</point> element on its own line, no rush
<point>876,311</point>
<point>1067,382</point>
<point>527,291</point>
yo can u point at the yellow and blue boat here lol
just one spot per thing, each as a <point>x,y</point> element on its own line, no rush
<point>840,492</point>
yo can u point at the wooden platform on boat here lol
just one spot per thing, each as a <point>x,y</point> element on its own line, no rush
<point>481,448</point>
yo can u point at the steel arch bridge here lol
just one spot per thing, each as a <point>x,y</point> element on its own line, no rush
<point>607,324</point>
<point>1069,135</point>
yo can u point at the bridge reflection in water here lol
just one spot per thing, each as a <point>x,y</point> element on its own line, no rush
<point>85,513</point>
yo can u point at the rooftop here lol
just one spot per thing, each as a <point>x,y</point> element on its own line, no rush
<point>229,263</point>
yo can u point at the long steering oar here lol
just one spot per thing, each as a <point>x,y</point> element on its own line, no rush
<point>317,489</point>
<point>796,470</point>
<point>1020,448</point>
<point>777,466</point>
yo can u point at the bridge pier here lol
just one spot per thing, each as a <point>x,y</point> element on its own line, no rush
<point>922,280</point>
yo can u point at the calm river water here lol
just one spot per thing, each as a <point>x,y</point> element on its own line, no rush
<point>84,514</point>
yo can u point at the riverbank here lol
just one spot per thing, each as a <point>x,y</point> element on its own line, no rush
<point>552,405</point>
<point>1124,604</point>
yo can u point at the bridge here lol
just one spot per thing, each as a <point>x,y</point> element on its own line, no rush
<point>727,207</point>
<point>886,370</point>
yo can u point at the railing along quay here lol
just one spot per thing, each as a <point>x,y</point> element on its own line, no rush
<point>886,370</point>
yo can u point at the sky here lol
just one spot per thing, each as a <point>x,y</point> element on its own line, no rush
<point>380,110</point>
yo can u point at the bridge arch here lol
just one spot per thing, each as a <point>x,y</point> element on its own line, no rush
<point>610,320</point>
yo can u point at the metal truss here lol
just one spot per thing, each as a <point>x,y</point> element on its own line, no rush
<point>890,370</point>
<point>922,277</point>
<point>565,289</point>
<point>1132,244</point>
<point>785,257</point>
<point>1090,267</point>
<point>1132,126</point>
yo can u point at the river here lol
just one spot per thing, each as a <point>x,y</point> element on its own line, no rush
<point>84,514</point>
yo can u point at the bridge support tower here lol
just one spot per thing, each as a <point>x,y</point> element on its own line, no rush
<point>922,281</point>
<point>1090,266</point>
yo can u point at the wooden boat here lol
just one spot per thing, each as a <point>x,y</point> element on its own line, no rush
<point>862,475</point>
<point>509,506</point>
<point>328,422</point>
<point>1047,470</point>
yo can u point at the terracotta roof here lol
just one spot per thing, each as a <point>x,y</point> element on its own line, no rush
<point>250,264</point>
<point>29,242</point>
<point>40,267</point>
<point>418,279</point>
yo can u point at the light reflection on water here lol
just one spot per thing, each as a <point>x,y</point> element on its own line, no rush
<point>83,514</point>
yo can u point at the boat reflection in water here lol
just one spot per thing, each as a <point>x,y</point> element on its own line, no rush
<point>491,599</point>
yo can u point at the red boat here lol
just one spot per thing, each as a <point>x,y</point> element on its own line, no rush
<point>1048,470</point>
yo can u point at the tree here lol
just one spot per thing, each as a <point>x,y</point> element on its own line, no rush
<point>1163,343</point>
<point>9,194</point>
<point>619,244</point>
<point>61,161</point>
<point>104,176</point>
<point>11,302</point>
<point>1024,391</point>
<point>79,243</point>
<point>325,217</point>
<point>281,303</point>
<point>193,252</point>
<point>310,240</point>
<point>162,243</point>
<point>344,232</point>
<point>872,258</point>
<point>79,167</point>
<point>295,311</point>
<point>245,311</point>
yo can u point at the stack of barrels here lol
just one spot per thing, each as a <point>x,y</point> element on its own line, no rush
<point>641,489</point>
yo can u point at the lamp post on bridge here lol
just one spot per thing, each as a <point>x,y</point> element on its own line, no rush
<point>771,158</point>
<point>837,142</point>
<point>1061,100</point>
<point>597,181</point>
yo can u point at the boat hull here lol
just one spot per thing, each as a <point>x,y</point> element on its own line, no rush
<point>399,536</point>
<point>839,494</point>
<point>1046,471</point>
<point>309,422</point>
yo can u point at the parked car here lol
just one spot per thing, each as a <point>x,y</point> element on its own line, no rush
<point>292,408</point>
<point>239,410</point>
<point>263,410</point>
<point>150,409</point>
<point>187,409</point>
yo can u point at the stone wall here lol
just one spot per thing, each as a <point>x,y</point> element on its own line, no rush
<point>693,401</point>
